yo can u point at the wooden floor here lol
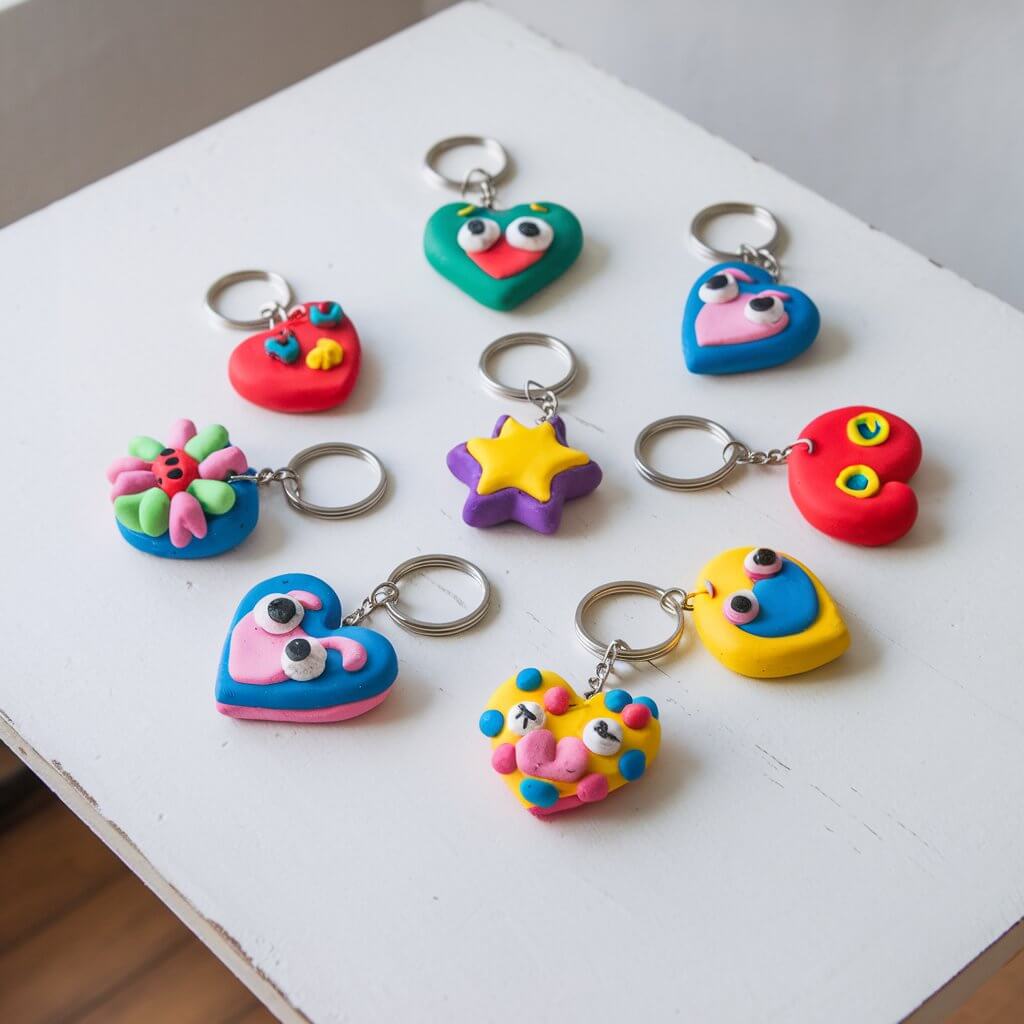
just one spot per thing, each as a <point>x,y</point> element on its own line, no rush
<point>83,941</point>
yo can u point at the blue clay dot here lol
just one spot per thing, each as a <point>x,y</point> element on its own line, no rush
<point>538,793</point>
<point>616,700</point>
<point>632,764</point>
<point>529,679</point>
<point>649,703</point>
<point>492,722</point>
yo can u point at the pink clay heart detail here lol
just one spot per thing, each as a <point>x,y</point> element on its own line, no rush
<point>187,520</point>
<point>538,755</point>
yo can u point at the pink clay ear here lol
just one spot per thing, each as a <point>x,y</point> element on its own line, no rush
<point>741,275</point>
<point>308,601</point>
<point>781,296</point>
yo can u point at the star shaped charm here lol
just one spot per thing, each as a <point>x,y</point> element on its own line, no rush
<point>524,474</point>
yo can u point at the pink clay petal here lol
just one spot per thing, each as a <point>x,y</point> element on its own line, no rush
<point>123,464</point>
<point>181,432</point>
<point>187,520</point>
<point>503,759</point>
<point>222,464</point>
<point>132,481</point>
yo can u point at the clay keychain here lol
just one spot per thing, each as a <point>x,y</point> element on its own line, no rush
<point>523,474</point>
<point>848,470</point>
<point>193,494</point>
<point>302,358</point>
<point>737,317</point>
<point>560,751</point>
<point>291,657</point>
<point>499,257</point>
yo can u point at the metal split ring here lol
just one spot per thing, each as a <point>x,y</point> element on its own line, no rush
<point>494,149</point>
<point>316,451</point>
<point>761,214</point>
<point>282,297</point>
<point>453,626</point>
<point>730,453</point>
<point>515,340</point>
<point>624,652</point>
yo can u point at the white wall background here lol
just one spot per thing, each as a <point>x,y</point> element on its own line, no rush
<point>909,113</point>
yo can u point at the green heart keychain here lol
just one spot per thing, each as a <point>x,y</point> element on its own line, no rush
<point>499,257</point>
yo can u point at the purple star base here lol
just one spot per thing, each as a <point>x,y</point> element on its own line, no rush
<point>512,504</point>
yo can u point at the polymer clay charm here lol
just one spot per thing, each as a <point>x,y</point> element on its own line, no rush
<point>737,317</point>
<point>302,358</point>
<point>191,495</point>
<point>849,470</point>
<point>291,657</point>
<point>499,257</point>
<point>521,473</point>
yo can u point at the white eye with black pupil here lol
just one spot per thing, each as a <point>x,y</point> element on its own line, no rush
<point>762,563</point>
<point>719,288</point>
<point>478,234</point>
<point>303,658</point>
<point>603,736</point>
<point>523,717</point>
<point>278,613</point>
<point>764,309</point>
<point>529,233</point>
<point>741,607</point>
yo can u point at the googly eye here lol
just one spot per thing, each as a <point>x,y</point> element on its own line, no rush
<point>762,563</point>
<point>530,233</point>
<point>303,658</point>
<point>720,287</point>
<point>764,309</point>
<point>525,716</point>
<point>478,234</point>
<point>603,736</point>
<point>741,607</point>
<point>278,613</point>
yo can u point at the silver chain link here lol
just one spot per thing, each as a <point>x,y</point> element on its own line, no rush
<point>266,476</point>
<point>772,457</point>
<point>762,258</point>
<point>477,178</point>
<point>604,667</point>
<point>544,398</point>
<point>381,595</point>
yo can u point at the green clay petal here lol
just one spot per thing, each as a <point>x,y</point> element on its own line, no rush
<point>215,496</point>
<point>209,440</point>
<point>154,510</point>
<point>143,447</point>
<point>126,511</point>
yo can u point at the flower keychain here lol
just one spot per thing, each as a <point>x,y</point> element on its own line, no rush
<point>559,751</point>
<point>499,257</point>
<point>290,656</point>
<point>736,317</point>
<point>192,495</point>
<point>523,474</point>
<point>848,470</point>
<point>303,358</point>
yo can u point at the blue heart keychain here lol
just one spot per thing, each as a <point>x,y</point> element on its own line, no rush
<point>737,317</point>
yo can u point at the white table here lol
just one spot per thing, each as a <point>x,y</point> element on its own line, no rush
<point>834,848</point>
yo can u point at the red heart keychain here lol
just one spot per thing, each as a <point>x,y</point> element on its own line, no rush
<point>306,358</point>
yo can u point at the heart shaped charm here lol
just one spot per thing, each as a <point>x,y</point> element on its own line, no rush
<point>522,474</point>
<point>762,613</point>
<point>307,363</point>
<point>502,257</point>
<point>738,319</point>
<point>172,498</point>
<point>558,751</point>
<point>288,658</point>
<point>853,483</point>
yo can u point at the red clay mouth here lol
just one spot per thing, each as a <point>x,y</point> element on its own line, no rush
<point>504,260</point>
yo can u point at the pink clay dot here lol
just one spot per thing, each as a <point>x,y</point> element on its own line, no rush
<point>592,788</point>
<point>636,716</point>
<point>503,759</point>
<point>556,700</point>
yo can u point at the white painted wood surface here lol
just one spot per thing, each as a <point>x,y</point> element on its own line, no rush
<point>831,848</point>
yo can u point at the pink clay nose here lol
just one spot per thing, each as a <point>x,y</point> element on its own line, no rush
<point>538,755</point>
<point>724,323</point>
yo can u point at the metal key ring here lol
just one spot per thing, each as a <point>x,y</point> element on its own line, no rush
<point>761,214</point>
<point>514,340</point>
<point>453,626</point>
<point>730,453</point>
<point>316,451</point>
<point>283,297</point>
<point>492,147</point>
<point>625,652</point>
